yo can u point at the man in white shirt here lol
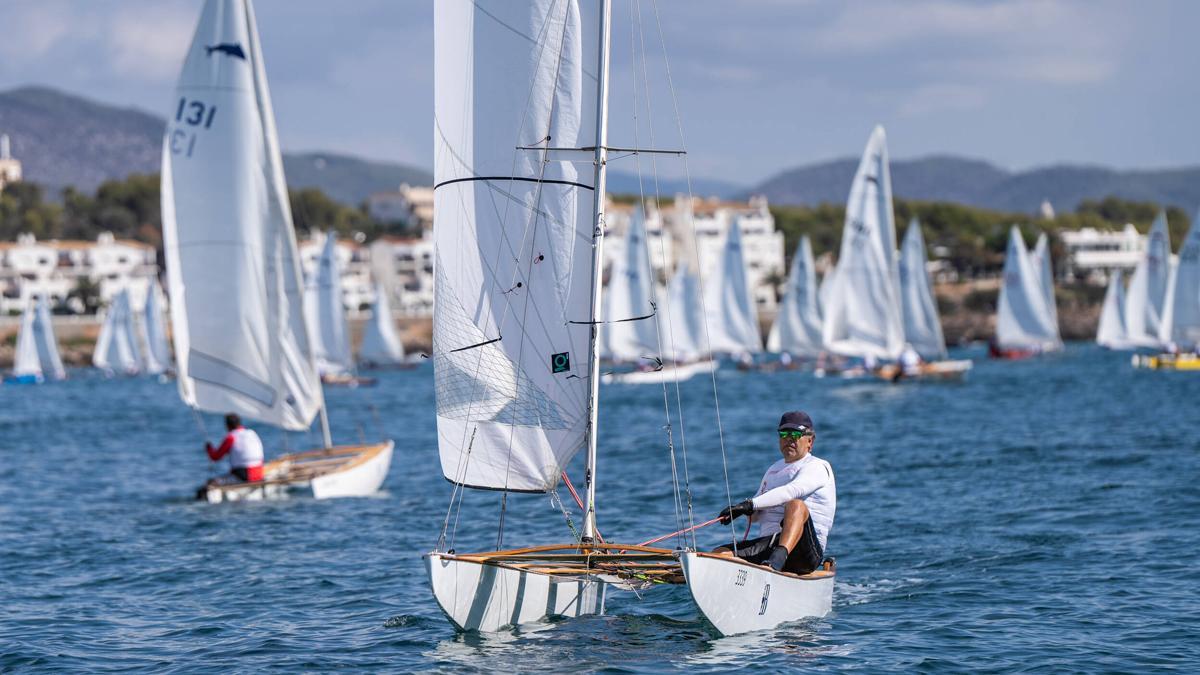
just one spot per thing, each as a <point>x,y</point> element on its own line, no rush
<point>794,505</point>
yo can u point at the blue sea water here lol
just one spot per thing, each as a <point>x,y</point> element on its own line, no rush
<point>1043,515</point>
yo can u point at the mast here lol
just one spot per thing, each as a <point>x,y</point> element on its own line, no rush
<point>598,195</point>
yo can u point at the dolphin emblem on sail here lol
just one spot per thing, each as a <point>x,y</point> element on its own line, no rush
<point>233,49</point>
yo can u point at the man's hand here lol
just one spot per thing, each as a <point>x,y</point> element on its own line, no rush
<point>736,511</point>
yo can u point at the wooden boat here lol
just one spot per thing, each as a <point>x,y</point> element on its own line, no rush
<point>669,372</point>
<point>934,370</point>
<point>995,351</point>
<point>233,266</point>
<point>1167,361</point>
<point>516,337</point>
<point>523,586</point>
<point>340,471</point>
<point>347,380</point>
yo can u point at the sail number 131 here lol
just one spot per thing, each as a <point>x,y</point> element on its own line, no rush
<point>193,113</point>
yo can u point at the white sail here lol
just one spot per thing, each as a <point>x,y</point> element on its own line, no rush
<point>1147,295</point>
<point>863,315</point>
<point>825,292</point>
<point>922,326</point>
<point>156,357</point>
<point>681,316</point>
<point>115,349</point>
<point>233,272</point>
<point>513,237</point>
<point>380,344</point>
<point>1181,320</point>
<point>797,327</point>
<point>47,344</point>
<point>1045,269</point>
<point>630,332</point>
<point>26,361</point>
<point>325,314</point>
<point>1111,331</point>
<point>1022,319</point>
<point>733,318</point>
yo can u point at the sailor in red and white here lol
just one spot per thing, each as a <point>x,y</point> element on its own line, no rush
<point>793,507</point>
<point>244,448</point>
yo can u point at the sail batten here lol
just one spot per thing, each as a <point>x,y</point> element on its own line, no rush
<point>233,272</point>
<point>512,257</point>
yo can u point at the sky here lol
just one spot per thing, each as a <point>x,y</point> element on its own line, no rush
<point>761,85</point>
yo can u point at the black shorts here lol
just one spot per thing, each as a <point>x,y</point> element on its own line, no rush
<point>241,474</point>
<point>804,558</point>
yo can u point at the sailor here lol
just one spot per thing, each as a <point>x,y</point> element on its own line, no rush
<point>910,360</point>
<point>794,505</point>
<point>244,448</point>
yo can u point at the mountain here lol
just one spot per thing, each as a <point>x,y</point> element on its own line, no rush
<point>66,140</point>
<point>978,183</point>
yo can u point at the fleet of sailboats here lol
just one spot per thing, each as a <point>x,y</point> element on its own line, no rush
<point>116,351</point>
<point>36,359</point>
<point>1179,330</point>
<point>233,268</point>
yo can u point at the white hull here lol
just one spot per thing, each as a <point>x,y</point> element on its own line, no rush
<point>490,597</point>
<point>738,597</point>
<point>356,475</point>
<point>679,373</point>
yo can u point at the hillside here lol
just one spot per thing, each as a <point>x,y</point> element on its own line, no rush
<point>978,183</point>
<point>66,140</point>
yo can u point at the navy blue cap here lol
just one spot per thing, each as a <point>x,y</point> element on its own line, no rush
<point>795,420</point>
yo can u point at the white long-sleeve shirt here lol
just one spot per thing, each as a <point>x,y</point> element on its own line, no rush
<point>809,479</point>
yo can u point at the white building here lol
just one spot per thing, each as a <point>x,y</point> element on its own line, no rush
<point>54,268</point>
<point>1092,254</point>
<point>411,206</point>
<point>404,265</point>
<point>661,246</point>
<point>354,261</point>
<point>10,169</point>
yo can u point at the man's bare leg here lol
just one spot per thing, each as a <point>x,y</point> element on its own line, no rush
<point>795,515</point>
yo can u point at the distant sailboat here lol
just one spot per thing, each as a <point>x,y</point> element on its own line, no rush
<point>863,316</point>
<point>381,346</point>
<point>797,327</point>
<point>1145,300</point>
<point>1181,320</point>
<point>681,316</point>
<point>233,268</point>
<point>1045,270</point>
<point>630,334</point>
<point>1111,331</point>
<point>325,315</point>
<point>922,326</point>
<point>116,351</point>
<point>732,323</point>
<point>156,359</point>
<point>1025,325</point>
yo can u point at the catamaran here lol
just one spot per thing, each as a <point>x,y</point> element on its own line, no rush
<point>922,325</point>
<point>1026,323</point>
<point>1180,327</point>
<point>233,268</point>
<point>116,351</point>
<point>37,357</point>
<point>326,319</point>
<point>518,239</point>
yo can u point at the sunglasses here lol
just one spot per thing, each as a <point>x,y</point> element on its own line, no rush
<point>794,434</point>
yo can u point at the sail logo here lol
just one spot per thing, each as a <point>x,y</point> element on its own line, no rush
<point>233,49</point>
<point>560,363</point>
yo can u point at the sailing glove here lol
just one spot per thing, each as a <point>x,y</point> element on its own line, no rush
<point>736,511</point>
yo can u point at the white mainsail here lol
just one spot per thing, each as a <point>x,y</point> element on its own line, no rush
<point>681,316</point>
<point>157,355</point>
<point>115,349</point>
<point>47,344</point>
<point>233,271</point>
<point>1111,331</point>
<point>922,326</point>
<point>797,327</point>
<point>1023,320</point>
<point>733,328</point>
<point>325,314</point>
<point>1045,269</point>
<point>825,292</point>
<point>513,235</point>
<point>863,317</point>
<point>26,361</point>
<point>380,344</point>
<point>1181,318</point>
<point>630,332</point>
<point>1147,295</point>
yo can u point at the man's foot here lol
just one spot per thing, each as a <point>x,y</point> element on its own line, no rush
<point>779,556</point>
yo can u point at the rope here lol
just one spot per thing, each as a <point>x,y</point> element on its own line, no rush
<point>691,529</point>
<point>575,495</point>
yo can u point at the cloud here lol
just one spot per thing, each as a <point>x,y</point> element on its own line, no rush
<point>149,43</point>
<point>943,97</point>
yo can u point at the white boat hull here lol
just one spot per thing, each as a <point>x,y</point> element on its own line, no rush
<point>669,373</point>
<point>490,597</point>
<point>361,476</point>
<point>739,597</point>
